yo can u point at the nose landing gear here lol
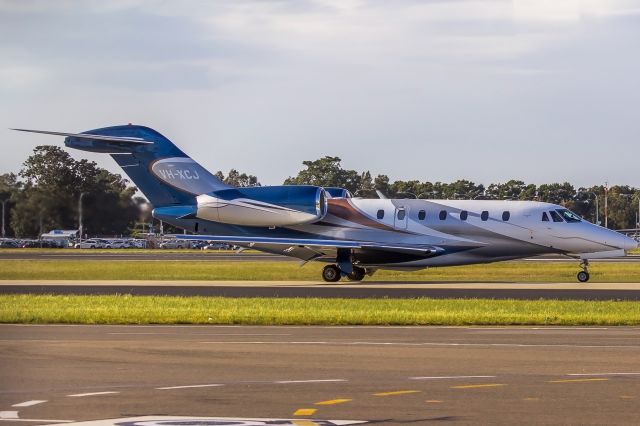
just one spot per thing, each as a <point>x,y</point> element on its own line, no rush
<point>583,276</point>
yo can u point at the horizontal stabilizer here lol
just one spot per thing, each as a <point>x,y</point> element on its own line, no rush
<point>122,139</point>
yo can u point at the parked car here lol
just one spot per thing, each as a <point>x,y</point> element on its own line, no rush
<point>91,243</point>
<point>175,244</point>
<point>116,244</point>
<point>9,244</point>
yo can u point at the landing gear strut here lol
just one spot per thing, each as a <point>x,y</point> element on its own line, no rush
<point>583,276</point>
<point>331,273</point>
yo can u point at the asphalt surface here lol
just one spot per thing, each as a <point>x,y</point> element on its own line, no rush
<point>384,375</point>
<point>367,289</point>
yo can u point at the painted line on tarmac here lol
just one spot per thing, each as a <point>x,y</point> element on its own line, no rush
<point>239,334</point>
<point>210,385</point>
<point>599,379</point>
<point>484,385</point>
<point>305,412</point>
<point>450,377</point>
<point>333,401</point>
<point>604,374</point>
<point>12,416</point>
<point>79,395</point>
<point>427,344</point>
<point>393,393</point>
<point>284,382</point>
<point>8,415</point>
<point>30,403</point>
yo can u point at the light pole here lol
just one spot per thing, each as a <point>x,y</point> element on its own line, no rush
<point>606,204</point>
<point>3,203</point>
<point>80,215</point>
<point>595,196</point>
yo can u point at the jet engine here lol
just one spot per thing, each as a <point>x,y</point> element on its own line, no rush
<point>264,205</point>
<point>336,192</point>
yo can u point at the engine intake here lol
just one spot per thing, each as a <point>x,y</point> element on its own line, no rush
<point>286,205</point>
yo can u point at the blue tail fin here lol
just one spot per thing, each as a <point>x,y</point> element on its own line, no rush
<point>164,174</point>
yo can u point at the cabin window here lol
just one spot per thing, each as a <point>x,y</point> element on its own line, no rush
<point>555,216</point>
<point>196,227</point>
<point>484,216</point>
<point>569,216</point>
<point>422,215</point>
<point>545,217</point>
<point>401,214</point>
<point>506,215</point>
<point>380,214</point>
<point>443,214</point>
<point>463,215</point>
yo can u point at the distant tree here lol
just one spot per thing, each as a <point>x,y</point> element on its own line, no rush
<point>557,193</point>
<point>238,179</point>
<point>327,172</point>
<point>52,187</point>
<point>9,190</point>
<point>381,183</point>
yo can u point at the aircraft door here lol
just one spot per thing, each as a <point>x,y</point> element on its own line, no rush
<point>401,218</point>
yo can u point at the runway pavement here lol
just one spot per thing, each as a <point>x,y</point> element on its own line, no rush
<point>382,375</point>
<point>366,289</point>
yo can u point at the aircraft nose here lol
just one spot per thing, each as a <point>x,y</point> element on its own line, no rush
<point>628,243</point>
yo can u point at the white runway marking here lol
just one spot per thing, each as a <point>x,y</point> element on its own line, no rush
<point>142,333</point>
<point>46,421</point>
<point>6,415</point>
<point>604,374</point>
<point>211,385</point>
<point>428,344</point>
<point>283,382</point>
<point>450,377</point>
<point>30,403</point>
<point>241,334</point>
<point>76,395</point>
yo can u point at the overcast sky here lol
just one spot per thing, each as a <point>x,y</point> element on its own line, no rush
<point>440,90</point>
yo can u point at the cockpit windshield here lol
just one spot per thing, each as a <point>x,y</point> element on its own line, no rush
<point>569,216</point>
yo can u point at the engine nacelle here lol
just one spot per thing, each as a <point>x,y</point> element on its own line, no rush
<point>336,192</point>
<point>264,205</point>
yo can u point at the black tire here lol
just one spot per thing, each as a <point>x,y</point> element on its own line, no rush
<point>357,274</point>
<point>331,273</point>
<point>583,276</point>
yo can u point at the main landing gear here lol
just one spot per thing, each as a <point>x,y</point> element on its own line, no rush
<point>583,276</point>
<point>332,274</point>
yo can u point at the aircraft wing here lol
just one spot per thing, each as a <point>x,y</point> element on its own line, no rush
<point>123,139</point>
<point>309,249</point>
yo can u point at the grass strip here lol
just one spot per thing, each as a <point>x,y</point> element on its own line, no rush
<point>224,270</point>
<point>127,309</point>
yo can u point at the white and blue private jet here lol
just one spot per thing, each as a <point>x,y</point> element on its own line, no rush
<point>354,236</point>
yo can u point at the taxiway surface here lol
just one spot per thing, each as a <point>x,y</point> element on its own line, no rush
<point>384,375</point>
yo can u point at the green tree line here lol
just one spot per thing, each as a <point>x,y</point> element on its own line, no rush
<point>622,199</point>
<point>45,194</point>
